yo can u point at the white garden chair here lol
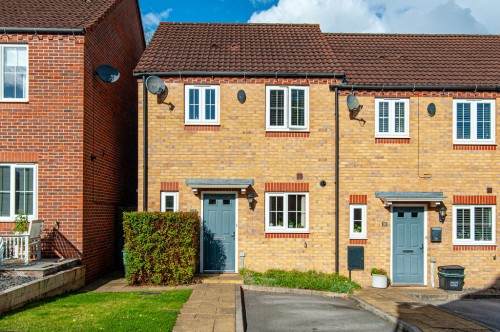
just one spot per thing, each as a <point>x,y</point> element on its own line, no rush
<point>20,247</point>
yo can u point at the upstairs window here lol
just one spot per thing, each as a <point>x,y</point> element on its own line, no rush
<point>13,72</point>
<point>202,104</point>
<point>392,118</point>
<point>18,183</point>
<point>474,122</point>
<point>287,108</point>
<point>474,224</point>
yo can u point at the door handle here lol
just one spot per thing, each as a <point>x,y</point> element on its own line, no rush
<point>422,246</point>
<point>232,235</point>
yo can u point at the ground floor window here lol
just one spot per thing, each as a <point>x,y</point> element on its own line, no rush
<point>169,202</point>
<point>357,223</point>
<point>287,212</point>
<point>18,190</point>
<point>474,224</point>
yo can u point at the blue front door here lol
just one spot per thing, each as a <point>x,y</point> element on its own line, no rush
<point>408,245</point>
<point>219,212</point>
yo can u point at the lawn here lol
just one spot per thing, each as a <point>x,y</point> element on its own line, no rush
<point>138,311</point>
<point>304,280</point>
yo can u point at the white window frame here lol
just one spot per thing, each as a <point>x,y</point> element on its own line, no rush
<point>392,114</point>
<point>473,134</point>
<point>284,228</point>
<point>202,120</point>
<point>352,234</point>
<point>287,125</point>
<point>471,241</point>
<point>13,213</point>
<point>164,194</point>
<point>2,60</point>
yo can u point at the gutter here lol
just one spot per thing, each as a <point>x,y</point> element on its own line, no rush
<point>416,87</point>
<point>239,74</point>
<point>337,184</point>
<point>41,30</point>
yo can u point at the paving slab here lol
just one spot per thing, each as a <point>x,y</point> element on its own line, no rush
<point>410,313</point>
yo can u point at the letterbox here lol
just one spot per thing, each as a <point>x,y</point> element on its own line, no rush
<point>436,234</point>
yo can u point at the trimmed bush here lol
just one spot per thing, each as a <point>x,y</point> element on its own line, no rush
<point>161,248</point>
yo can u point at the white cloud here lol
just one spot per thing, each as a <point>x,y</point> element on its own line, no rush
<point>256,3</point>
<point>151,20</point>
<point>402,16</point>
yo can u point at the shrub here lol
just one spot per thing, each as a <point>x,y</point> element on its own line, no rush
<point>379,271</point>
<point>21,223</point>
<point>161,248</point>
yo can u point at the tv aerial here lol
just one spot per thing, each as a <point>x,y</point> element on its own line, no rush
<point>108,74</point>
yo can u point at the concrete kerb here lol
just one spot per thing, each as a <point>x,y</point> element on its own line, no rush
<point>403,326</point>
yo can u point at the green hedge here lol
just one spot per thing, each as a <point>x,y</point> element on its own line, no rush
<point>161,248</point>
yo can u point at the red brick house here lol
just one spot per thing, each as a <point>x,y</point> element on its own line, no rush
<point>67,138</point>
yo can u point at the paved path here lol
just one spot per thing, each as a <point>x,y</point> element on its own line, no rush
<point>210,308</point>
<point>424,317</point>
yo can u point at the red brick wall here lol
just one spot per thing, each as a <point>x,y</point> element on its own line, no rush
<point>49,130</point>
<point>70,115</point>
<point>110,133</point>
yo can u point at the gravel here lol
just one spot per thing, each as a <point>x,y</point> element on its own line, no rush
<point>7,281</point>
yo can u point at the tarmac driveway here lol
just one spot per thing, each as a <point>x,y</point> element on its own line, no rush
<point>485,311</point>
<point>290,312</point>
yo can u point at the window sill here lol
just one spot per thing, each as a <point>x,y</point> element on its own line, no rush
<point>474,247</point>
<point>23,101</point>
<point>287,231</point>
<point>286,235</point>
<point>287,133</point>
<point>200,127</point>
<point>358,241</point>
<point>387,140</point>
<point>480,147</point>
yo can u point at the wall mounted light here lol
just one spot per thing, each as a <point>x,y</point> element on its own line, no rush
<point>442,213</point>
<point>251,200</point>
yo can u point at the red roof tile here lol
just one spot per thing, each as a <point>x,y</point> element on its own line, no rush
<point>61,14</point>
<point>217,47</point>
<point>401,59</point>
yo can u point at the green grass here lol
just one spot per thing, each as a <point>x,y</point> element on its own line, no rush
<point>305,280</point>
<point>99,312</point>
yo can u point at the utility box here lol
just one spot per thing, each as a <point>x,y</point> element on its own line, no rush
<point>355,258</point>
<point>436,234</point>
<point>451,277</point>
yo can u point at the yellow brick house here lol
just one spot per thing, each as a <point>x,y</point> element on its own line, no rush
<point>244,126</point>
<point>419,165</point>
<point>244,135</point>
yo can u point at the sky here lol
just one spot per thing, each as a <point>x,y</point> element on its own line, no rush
<point>375,16</point>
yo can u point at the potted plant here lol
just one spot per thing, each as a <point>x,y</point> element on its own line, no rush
<point>21,223</point>
<point>379,278</point>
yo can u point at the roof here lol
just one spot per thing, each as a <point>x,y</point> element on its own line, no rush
<point>404,59</point>
<point>219,47</point>
<point>53,14</point>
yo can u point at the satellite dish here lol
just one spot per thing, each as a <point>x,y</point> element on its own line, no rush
<point>352,102</point>
<point>108,74</point>
<point>155,85</point>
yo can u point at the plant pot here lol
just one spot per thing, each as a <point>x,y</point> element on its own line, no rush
<point>379,281</point>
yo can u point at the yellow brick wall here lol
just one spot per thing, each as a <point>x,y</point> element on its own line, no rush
<point>240,150</point>
<point>367,167</point>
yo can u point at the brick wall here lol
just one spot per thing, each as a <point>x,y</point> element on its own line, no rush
<point>110,180</point>
<point>71,115</point>
<point>48,130</point>
<point>239,149</point>
<point>368,166</point>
